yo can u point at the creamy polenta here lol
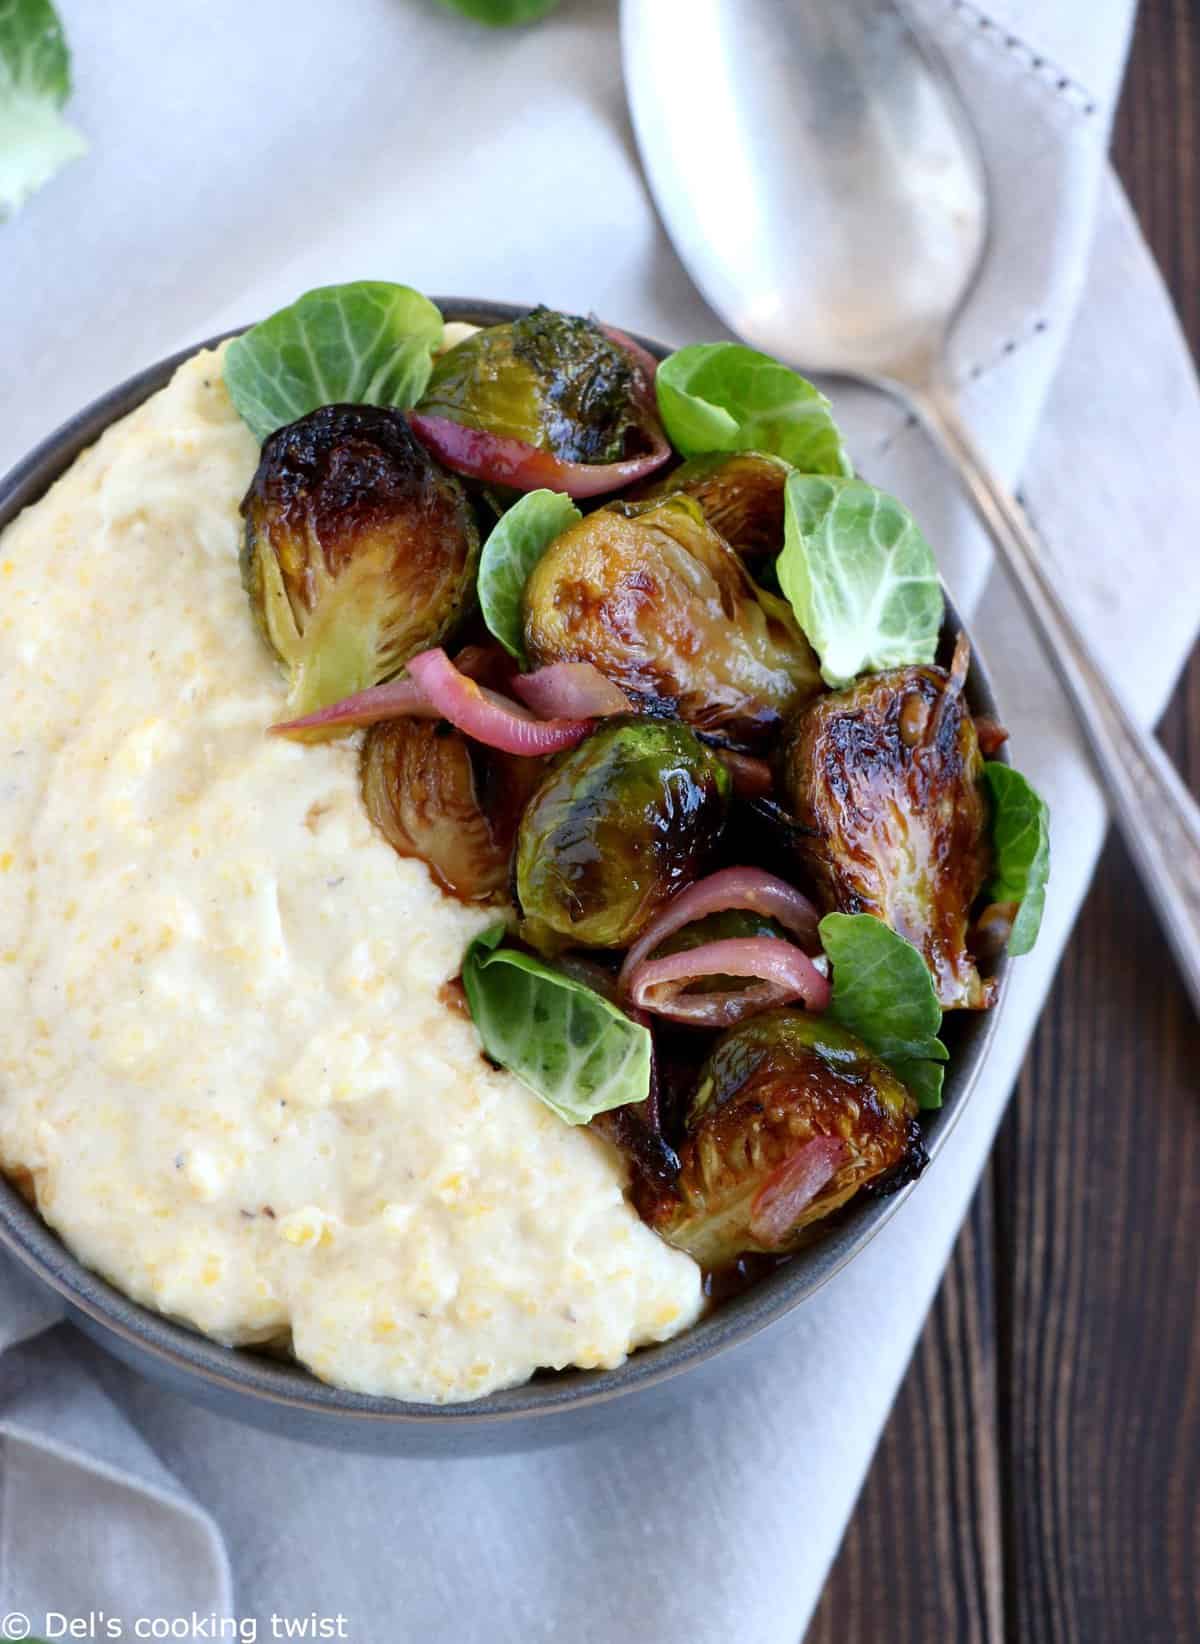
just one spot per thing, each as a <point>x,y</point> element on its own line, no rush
<point>226,1059</point>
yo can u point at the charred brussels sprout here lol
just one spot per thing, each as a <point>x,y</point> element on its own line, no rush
<point>452,803</point>
<point>359,550</point>
<point>885,780</point>
<point>554,381</point>
<point>664,608</point>
<point>620,824</point>
<point>791,1116</point>
<point>740,494</point>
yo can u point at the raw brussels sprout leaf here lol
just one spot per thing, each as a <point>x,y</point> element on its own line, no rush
<point>860,576</point>
<point>924,1080</point>
<point>518,541</point>
<point>35,82</point>
<point>501,13</point>
<point>574,1050</point>
<point>724,397</point>
<point>366,343</point>
<point>1021,843</point>
<point>883,992</point>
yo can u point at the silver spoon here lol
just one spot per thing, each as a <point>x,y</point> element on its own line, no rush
<point>820,180</point>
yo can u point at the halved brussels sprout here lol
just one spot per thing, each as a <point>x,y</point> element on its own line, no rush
<point>621,822</point>
<point>663,607</point>
<point>436,795</point>
<point>554,381</point>
<point>791,1116</point>
<point>740,494</point>
<point>885,780</point>
<point>359,550</point>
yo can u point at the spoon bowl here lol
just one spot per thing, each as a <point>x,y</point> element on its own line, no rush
<point>864,225</point>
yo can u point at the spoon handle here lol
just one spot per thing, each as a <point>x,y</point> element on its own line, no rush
<point>1158,816</point>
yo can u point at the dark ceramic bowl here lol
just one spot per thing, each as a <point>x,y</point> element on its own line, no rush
<point>284,1397</point>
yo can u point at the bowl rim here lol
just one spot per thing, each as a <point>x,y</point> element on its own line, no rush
<point>289,1385</point>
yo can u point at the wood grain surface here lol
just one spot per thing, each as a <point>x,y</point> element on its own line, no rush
<point>1039,1479</point>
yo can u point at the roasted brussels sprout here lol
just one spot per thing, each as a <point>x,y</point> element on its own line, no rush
<point>359,550</point>
<point>436,795</point>
<point>621,822</point>
<point>740,494</point>
<point>791,1116</point>
<point>665,609</point>
<point>885,780</point>
<point>554,381</point>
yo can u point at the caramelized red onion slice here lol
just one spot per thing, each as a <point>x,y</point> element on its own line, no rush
<point>788,1191</point>
<point>398,699</point>
<point>436,688</point>
<point>486,715</point>
<point>783,971</point>
<point>750,888</point>
<point>498,460</point>
<point>566,690</point>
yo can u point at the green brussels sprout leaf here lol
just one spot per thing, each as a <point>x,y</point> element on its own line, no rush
<point>724,397</point>
<point>883,992</point>
<point>499,14</point>
<point>1021,842</point>
<point>35,82</point>
<point>860,576</point>
<point>518,540</point>
<point>367,343</point>
<point>924,1080</point>
<point>577,1052</point>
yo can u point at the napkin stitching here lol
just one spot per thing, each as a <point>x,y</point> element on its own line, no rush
<point>1005,352</point>
<point>1007,349</point>
<point>1041,67</point>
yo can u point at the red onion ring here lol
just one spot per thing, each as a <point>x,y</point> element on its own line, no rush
<point>395,700</point>
<point>783,970</point>
<point>487,716</point>
<point>442,690</point>
<point>788,1191</point>
<point>497,460</point>
<point>751,888</point>
<point>571,690</point>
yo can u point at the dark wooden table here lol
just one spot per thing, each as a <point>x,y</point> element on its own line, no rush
<point>1039,1479</point>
